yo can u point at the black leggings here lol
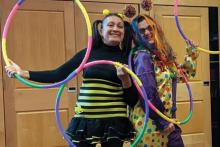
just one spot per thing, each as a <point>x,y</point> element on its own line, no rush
<point>113,143</point>
<point>109,143</point>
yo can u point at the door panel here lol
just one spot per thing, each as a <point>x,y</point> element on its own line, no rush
<point>194,22</point>
<point>2,117</point>
<point>44,134</point>
<point>33,31</point>
<point>194,140</point>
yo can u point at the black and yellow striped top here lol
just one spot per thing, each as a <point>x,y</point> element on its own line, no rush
<point>97,98</point>
<point>100,99</point>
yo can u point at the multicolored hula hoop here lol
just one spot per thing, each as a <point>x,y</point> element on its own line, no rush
<point>138,85</point>
<point>73,74</point>
<point>174,121</point>
<point>182,33</point>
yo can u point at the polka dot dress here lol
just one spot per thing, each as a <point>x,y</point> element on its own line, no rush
<point>164,75</point>
<point>152,137</point>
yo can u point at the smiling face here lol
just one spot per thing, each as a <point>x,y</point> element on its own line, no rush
<point>112,30</point>
<point>146,31</point>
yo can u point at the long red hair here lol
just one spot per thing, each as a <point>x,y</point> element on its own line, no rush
<point>162,46</point>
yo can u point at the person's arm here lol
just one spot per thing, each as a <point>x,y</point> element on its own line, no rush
<point>60,73</point>
<point>49,76</point>
<point>130,92</point>
<point>131,95</point>
<point>144,68</point>
<point>190,63</point>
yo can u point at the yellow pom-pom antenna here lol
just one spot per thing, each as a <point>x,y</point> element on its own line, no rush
<point>106,12</point>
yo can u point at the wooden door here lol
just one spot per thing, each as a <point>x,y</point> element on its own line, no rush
<point>2,120</point>
<point>41,37</point>
<point>194,21</point>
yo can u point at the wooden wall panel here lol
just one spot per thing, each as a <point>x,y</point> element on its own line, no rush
<point>40,130</point>
<point>194,140</point>
<point>196,123</point>
<point>2,117</point>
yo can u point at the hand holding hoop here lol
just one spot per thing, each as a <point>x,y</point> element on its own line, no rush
<point>171,120</point>
<point>73,74</point>
<point>182,33</point>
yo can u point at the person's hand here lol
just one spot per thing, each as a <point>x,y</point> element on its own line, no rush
<point>13,69</point>
<point>123,76</point>
<point>191,49</point>
<point>169,129</point>
<point>191,43</point>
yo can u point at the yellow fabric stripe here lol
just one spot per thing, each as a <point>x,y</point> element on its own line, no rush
<point>98,98</point>
<point>100,92</point>
<point>101,85</point>
<point>101,104</point>
<point>101,115</point>
<point>104,110</point>
<point>102,80</point>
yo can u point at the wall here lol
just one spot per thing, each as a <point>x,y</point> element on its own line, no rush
<point>2,125</point>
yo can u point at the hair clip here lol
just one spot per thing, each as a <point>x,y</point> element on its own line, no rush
<point>129,11</point>
<point>146,5</point>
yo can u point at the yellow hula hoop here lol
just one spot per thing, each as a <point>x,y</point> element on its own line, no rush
<point>208,51</point>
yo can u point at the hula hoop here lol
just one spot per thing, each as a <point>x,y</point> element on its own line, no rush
<point>34,85</point>
<point>72,75</point>
<point>182,33</point>
<point>138,84</point>
<point>174,121</point>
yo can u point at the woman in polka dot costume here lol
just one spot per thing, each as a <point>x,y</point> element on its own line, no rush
<point>155,64</point>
